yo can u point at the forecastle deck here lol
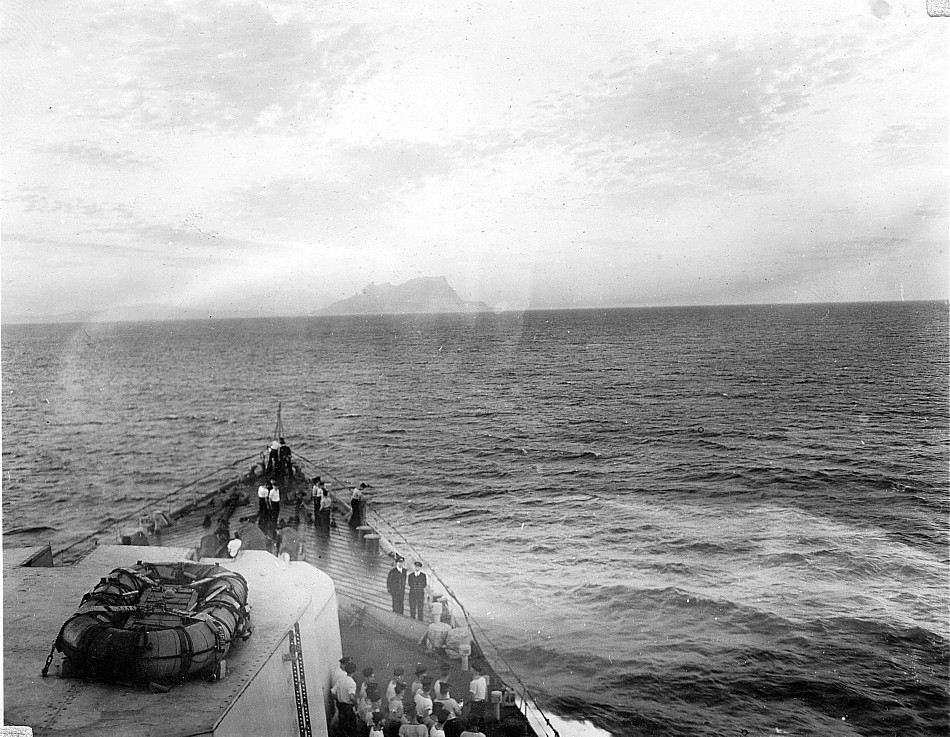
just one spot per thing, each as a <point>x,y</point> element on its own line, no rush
<point>251,699</point>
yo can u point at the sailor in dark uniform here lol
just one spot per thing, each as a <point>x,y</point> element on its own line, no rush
<point>284,464</point>
<point>417,592</point>
<point>357,502</point>
<point>396,584</point>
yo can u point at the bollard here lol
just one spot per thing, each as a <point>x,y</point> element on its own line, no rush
<point>363,530</point>
<point>371,543</point>
<point>496,705</point>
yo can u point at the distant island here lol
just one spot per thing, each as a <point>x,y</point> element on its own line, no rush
<point>425,295</point>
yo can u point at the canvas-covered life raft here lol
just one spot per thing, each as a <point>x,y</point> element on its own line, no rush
<point>157,623</point>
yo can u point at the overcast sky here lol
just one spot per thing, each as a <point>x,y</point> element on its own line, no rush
<point>240,158</point>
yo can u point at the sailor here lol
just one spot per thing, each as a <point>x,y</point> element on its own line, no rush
<point>356,505</point>
<point>324,509</point>
<point>368,673</point>
<point>223,532</point>
<point>478,693</point>
<point>368,703</point>
<point>416,686</point>
<point>439,716</point>
<point>396,584</point>
<point>378,722</point>
<point>436,634</point>
<point>417,592</point>
<point>316,489</point>
<point>147,524</point>
<point>446,615</point>
<point>444,671</point>
<point>263,505</point>
<point>473,728</point>
<point>234,545</point>
<point>453,707</point>
<point>300,498</point>
<point>423,699</point>
<point>345,694</point>
<point>395,710</point>
<point>338,672</point>
<point>397,678</point>
<point>411,726</point>
<point>273,457</point>
<point>274,502</point>
<point>284,464</point>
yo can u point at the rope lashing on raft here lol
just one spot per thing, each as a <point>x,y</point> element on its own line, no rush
<point>153,640</point>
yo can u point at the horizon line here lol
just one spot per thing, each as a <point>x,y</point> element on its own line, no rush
<point>52,320</point>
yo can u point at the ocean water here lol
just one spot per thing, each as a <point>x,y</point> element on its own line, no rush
<point>694,521</point>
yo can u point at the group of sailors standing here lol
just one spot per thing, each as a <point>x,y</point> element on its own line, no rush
<point>279,466</point>
<point>268,507</point>
<point>399,579</point>
<point>279,459</point>
<point>323,505</point>
<point>281,537</point>
<point>416,708</point>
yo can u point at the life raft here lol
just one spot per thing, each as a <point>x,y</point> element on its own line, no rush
<point>157,623</point>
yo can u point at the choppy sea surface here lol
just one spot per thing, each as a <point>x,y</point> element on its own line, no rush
<point>693,521</point>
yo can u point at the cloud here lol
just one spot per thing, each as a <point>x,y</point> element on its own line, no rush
<point>77,213</point>
<point>220,67</point>
<point>166,249</point>
<point>918,143</point>
<point>230,141</point>
<point>932,211</point>
<point>67,254</point>
<point>704,113</point>
<point>356,191</point>
<point>169,267</point>
<point>90,153</point>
